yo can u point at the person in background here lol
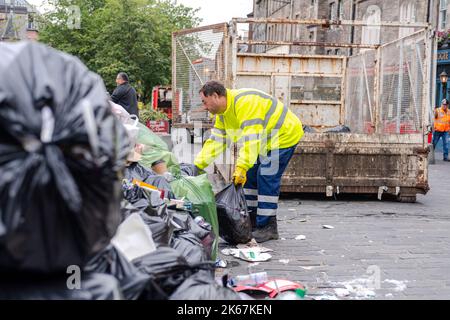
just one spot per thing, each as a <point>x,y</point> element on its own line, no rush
<point>442,126</point>
<point>125,95</point>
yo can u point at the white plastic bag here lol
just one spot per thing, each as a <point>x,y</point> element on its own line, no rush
<point>133,238</point>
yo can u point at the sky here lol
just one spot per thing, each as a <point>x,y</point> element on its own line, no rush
<point>211,11</point>
<point>216,11</point>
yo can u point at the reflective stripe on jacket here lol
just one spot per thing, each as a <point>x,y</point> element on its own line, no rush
<point>257,122</point>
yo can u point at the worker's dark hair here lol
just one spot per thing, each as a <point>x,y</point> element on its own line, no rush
<point>211,87</point>
<point>124,76</point>
<point>158,162</point>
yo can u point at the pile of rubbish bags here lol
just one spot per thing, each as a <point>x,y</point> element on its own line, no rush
<point>93,205</point>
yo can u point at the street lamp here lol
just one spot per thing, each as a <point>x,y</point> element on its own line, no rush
<point>444,77</point>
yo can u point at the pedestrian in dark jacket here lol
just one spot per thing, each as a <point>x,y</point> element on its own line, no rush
<point>125,95</point>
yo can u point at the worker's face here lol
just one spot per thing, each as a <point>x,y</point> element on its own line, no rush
<point>160,168</point>
<point>119,80</point>
<point>213,103</point>
<point>444,106</point>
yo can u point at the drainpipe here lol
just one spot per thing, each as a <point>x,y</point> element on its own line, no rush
<point>292,10</point>
<point>267,28</point>
<point>352,32</point>
<point>293,26</point>
<point>433,19</point>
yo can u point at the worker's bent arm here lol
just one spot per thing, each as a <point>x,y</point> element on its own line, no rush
<point>214,146</point>
<point>252,126</point>
<point>117,94</point>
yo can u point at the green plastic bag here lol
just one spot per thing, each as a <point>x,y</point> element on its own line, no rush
<point>154,149</point>
<point>198,191</point>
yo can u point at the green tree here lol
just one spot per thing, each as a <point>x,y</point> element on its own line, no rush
<point>133,36</point>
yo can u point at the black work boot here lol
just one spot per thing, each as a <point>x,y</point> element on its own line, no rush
<point>268,232</point>
<point>253,219</point>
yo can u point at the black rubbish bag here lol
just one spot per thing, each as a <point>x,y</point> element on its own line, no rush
<point>167,269</point>
<point>234,220</point>
<point>136,196</point>
<point>139,172</point>
<point>202,286</point>
<point>61,153</point>
<point>136,171</point>
<point>161,228</point>
<point>191,170</point>
<point>162,184</point>
<point>146,199</point>
<point>338,129</point>
<point>183,221</point>
<point>189,246</point>
<point>110,261</point>
<point>159,223</point>
<point>91,286</point>
<point>161,231</point>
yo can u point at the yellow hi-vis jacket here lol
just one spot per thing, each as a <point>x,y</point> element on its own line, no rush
<point>257,122</point>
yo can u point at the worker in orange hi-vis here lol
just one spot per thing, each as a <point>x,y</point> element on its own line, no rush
<point>442,126</point>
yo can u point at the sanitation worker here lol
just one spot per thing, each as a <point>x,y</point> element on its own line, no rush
<point>267,134</point>
<point>442,126</point>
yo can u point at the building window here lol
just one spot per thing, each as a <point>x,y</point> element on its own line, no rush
<point>297,27</point>
<point>31,23</point>
<point>443,14</point>
<point>275,5</point>
<point>371,32</point>
<point>312,10</point>
<point>407,14</point>
<point>333,12</point>
<point>280,36</point>
<point>340,10</point>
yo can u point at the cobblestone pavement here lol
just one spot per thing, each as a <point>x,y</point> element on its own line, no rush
<point>377,249</point>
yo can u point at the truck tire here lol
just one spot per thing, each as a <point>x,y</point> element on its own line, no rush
<point>407,198</point>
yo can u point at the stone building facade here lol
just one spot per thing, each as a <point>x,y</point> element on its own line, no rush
<point>372,11</point>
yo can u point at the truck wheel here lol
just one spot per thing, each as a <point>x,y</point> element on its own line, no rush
<point>407,198</point>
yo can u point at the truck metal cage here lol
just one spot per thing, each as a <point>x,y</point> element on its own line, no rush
<point>381,92</point>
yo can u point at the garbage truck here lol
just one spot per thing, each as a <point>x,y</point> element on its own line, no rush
<point>366,109</point>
